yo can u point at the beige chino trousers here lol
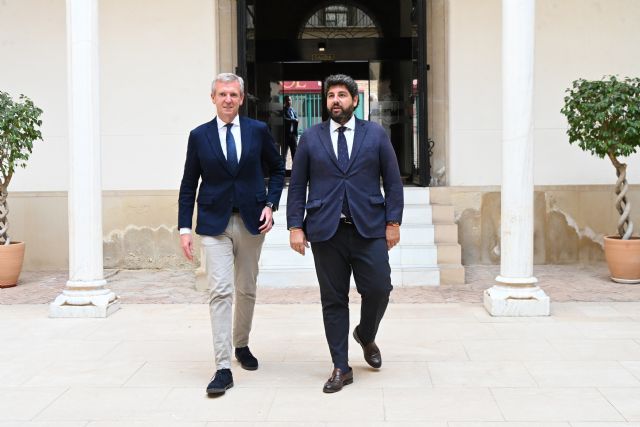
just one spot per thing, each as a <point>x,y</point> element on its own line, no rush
<point>232,265</point>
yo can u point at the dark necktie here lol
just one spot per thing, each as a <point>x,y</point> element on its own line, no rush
<point>343,161</point>
<point>232,154</point>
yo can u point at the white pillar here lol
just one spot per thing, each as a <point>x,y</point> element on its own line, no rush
<point>85,294</point>
<point>516,293</point>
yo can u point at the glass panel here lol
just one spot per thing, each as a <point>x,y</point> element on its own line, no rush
<point>392,106</point>
<point>306,101</point>
<point>263,88</point>
<point>281,58</point>
<point>421,162</point>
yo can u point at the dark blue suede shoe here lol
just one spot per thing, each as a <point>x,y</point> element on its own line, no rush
<point>221,382</point>
<point>246,359</point>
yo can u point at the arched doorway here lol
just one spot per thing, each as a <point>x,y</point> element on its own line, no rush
<point>288,47</point>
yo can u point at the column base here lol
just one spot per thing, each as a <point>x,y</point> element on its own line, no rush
<point>514,301</point>
<point>94,303</point>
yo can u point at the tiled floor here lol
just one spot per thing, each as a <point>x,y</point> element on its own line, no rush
<point>445,365</point>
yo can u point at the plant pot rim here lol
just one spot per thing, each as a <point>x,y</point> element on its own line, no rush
<point>617,237</point>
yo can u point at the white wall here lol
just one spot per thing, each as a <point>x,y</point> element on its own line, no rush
<point>157,61</point>
<point>34,61</point>
<point>158,57</point>
<point>574,38</point>
<point>474,92</point>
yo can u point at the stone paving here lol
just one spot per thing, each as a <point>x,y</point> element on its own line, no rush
<point>444,365</point>
<point>561,282</point>
<point>446,361</point>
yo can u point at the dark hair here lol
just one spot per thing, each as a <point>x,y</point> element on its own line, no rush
<point>341,79</point>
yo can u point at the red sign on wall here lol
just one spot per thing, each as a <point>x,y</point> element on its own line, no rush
<point>301,86</point>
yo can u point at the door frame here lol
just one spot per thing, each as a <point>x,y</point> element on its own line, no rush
<point>421,175</point>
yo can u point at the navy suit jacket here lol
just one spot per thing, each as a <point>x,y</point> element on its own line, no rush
<point>220,189</point>
<point>316,164</point>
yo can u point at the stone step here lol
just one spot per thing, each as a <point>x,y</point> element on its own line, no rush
<point>451,274</point>
<point>442,214</point>
<point>449,253</point>
<point>412,196</point>
<point>282,256</point>
<point>409,234</point>
<point>428,253</point>
<point>446,233</point>
<point>286,277</point>
<point>412,214</point>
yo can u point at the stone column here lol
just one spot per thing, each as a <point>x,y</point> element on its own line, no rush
<point>85,294</point>
<point>516,293</point>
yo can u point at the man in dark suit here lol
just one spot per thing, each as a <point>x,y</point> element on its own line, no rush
<point>350,224</point>
<point>235,211</point>
<point>290,129</point>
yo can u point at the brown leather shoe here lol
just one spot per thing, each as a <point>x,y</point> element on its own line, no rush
<point>337,381</point>
<point>371,351</point>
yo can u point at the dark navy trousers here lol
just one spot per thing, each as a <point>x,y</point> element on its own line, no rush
<point>335,259</point>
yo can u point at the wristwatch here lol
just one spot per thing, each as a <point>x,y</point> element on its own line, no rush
<point>269,205</point>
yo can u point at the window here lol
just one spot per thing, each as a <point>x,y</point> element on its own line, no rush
<point>339,21</point>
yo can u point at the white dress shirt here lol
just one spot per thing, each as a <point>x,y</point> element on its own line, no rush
<point>235,131</point>
<point>348,134</point>
<point>222,133</point>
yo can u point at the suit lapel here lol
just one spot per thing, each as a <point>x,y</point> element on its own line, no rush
<point>246,134</point>
<point>214,142</point>
<point>325,138</point>
<point>359,132</point>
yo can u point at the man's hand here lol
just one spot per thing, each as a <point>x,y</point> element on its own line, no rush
<point>393,236</point>
<point>298,241</point>
<point>186,241</point>
<point>267,218</point>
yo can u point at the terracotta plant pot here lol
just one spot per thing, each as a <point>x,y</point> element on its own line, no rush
<point>623,258</point>
<point>11,257</point>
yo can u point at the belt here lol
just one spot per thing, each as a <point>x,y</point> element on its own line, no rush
<point>235,210</point>
<point>348,221</point>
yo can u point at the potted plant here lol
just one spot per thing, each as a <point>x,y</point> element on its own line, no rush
<point>19,128</point>
<point>604,118</point>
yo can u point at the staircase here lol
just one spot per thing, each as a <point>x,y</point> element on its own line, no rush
<point>428,253</point>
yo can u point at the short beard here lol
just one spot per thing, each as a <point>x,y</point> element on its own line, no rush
<point>343,117</point>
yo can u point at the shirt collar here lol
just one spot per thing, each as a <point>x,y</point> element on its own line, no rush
<point>221,124</point>
<point>350,125</point>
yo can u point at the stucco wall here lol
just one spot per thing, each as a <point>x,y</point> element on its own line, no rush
<point>569,222</point>
<point>157,60</point>
<point>139,227</point>
<point>574,38</point>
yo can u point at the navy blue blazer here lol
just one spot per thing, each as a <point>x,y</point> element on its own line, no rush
<point>316,164</point>
<point>219,188</point>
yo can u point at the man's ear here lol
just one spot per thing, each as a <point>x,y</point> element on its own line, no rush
<point>356,99</point>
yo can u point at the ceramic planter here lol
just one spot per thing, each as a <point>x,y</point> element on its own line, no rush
<point>11,257</point>
<point>623,258</point>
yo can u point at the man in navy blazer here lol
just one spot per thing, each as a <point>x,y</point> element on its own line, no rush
<point>226,157</point>
<point>350,224</point>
